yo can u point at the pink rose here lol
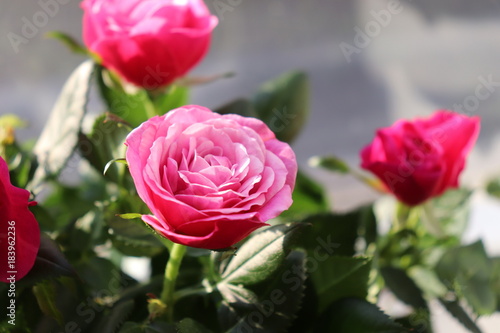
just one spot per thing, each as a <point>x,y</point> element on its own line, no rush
<point>19,231</point>
<point>209,179</point>
<point>421,159</point>
<point>148,42</point>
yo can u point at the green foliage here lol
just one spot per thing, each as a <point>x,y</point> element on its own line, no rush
<point>339,277</point>
<point>270,307</point>
<point>60,135</point>
<point>338,233</point>
<point>308,198</point>
<point>133,107</point>
<point>352,315</point>
<point>448,214</point>
<point>495,279</point>
<point>45,293</point>
<point>330,163</point>
<point>263,282</point>
<point>241,106</point>
<point>468,271</point>
<point>283,104</point>
<point>493,188</point>
<point>261,255</point>
<point>457,311</point>
<point>175,96</point>
<point>403,287</point>
<point>105,143</point>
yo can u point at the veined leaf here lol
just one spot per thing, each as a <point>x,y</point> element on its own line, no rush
<point>338,277</point>
<point>60,135</point>
<point>468,271</point>
<point>352,315</point>
<point>261,255</point>
<point>270,307</point>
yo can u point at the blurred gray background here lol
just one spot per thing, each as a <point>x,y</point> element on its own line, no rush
<point>424,55</point>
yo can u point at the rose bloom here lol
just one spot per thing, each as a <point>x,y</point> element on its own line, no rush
<point>148,42</point>
<point>19,231</point>
<point>421,159</point>
<point>209,179</point>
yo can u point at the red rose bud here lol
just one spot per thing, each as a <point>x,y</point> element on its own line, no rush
<point>209,179</point>
<point>148,42</point>
<point>421,159</point>
<point>19,230</point>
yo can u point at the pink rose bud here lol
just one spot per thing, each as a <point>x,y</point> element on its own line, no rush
<point>209,179</point>
<point>421,159</point>
<point>148,42</point>
<point>19,230</point>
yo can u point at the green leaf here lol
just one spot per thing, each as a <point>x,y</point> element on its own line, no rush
<point>241,106</point>
<point>129,216</point>
<point>175,96</point>
<point>261,255</point>
<point>133,237</point>
<point>45,293</point>
<point>339,277</point>
<point>493,188</point>
<point>104,144</point>
<point>98,272</point>
<point>427,280</point>
<point>353,315</point>
<point>403,287</point>
<point>456,310</point>
<point>330,163</point>
<point>60,135</point>
<point>237,296</point>
<point>495,279</point>
<point>308,198</point>
<point>450,211</point>
<point>334,234</point>
<point>468,271</point>
<point>270,307</point>
<point>188,325</point>
<point>283,104</point>
<point>134,107</point>
<point>68,41</point>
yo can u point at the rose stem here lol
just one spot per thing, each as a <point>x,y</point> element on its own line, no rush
<point>171,273</point>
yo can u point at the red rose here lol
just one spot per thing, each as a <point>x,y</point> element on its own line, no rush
<point>420,159</point>
<point>19,231</point>
<point>148,42</point>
